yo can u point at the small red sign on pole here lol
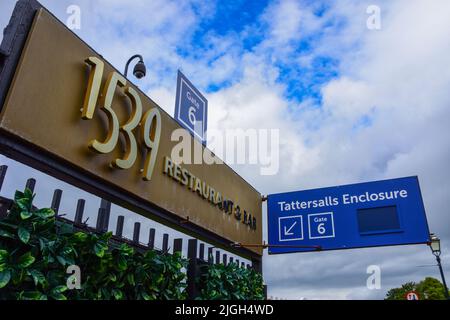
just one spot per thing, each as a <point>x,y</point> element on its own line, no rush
<point>412,295</point>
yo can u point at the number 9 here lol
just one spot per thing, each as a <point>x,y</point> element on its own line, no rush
<point>151,134</point>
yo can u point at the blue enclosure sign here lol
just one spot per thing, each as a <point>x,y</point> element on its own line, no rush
<point>380,213</point>
<point>191,108</point>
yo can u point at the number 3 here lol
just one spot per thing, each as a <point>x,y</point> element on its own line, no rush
<point>131,154</point>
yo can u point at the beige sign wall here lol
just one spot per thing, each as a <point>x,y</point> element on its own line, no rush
<point>44,107</point>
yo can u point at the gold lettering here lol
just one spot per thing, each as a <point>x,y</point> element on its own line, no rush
<point>131,154</point>
<point>177,173</point>
<point>212,195</point>
<point>151,121</point>
<point>114,80</point>
<point>191,181</point>
<point>151,134</point>
<point>185,176</point>
<point>93,88</point>
<point>237,212</point>
<point>218,200</point>
<point>168,166</point>
<point>205,190</point>
<point>198,186</point>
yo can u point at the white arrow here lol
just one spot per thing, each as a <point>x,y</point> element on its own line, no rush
<point>288,231</point>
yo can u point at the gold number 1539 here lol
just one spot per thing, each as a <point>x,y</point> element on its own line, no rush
<point>150,121</point>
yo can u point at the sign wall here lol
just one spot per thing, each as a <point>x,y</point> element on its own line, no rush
<point>68,102</point>
<point>191,108</point>
<point>379,213</point>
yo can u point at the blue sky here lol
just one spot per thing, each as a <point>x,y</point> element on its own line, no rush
<point>352,104</point>
<point>246,20</point>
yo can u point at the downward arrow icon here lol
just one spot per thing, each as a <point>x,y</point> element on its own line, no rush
<point>288,232</point>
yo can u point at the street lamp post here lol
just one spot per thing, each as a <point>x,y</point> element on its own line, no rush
<point>435,245</point>
<point>139,69</point>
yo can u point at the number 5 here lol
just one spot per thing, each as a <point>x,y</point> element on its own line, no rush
<point>114,80</point>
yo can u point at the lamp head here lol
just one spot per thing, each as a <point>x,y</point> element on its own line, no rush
<point>140,70</point>
<point>435,244</point>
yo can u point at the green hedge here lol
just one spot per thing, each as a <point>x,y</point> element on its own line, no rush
<point>230,282</point>
<point>36,249</point>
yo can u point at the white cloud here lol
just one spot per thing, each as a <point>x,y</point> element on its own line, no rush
<point>386,115</point>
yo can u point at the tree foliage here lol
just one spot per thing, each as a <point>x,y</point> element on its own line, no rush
<point>428,289</point>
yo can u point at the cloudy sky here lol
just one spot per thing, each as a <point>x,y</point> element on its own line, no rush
<point>352,104</point>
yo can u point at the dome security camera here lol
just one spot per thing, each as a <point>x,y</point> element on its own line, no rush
<point>140,70</point>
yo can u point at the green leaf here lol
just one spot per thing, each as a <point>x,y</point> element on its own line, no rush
<point>58,296</point>
<point>121,263</point>
<point>45,213</point>
<point>24,235</point>
<point>112,277</point>
<point>24,200</point>
<point>59,289</point>
<point>3,255</point>
<point>26,260</point>
<point>5,276</point>
<point>99,249</point>
<point>118,294</point>
<point>18,195</point>
<point>28,194</point>
<point>42,243</point>
<point>80,236</point>
<point>6,234</point>
<point>65,228</point>
<point>106,236</point>
<point>25,214</point>
<point>126,249</point>
<point>38,277</point>
<point>31,295</point>
<point>24,204</point>
<point>56,293</point>
<point>61,260</point>
<point>145,296</point>
<point>130,278</point>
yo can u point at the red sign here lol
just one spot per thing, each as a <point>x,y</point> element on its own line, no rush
<point>412,295</point>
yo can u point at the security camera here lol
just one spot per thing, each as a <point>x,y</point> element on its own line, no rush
<point>140,70</point>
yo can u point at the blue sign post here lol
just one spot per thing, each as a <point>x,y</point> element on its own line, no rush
<point>191,108</point>
<point>380,213</point>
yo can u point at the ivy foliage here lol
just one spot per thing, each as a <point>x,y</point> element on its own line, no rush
<point>230,282</point>
<point>36,249</point>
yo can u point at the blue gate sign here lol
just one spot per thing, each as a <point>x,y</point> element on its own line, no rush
<point>191,108</point>
<point>371,214</point>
